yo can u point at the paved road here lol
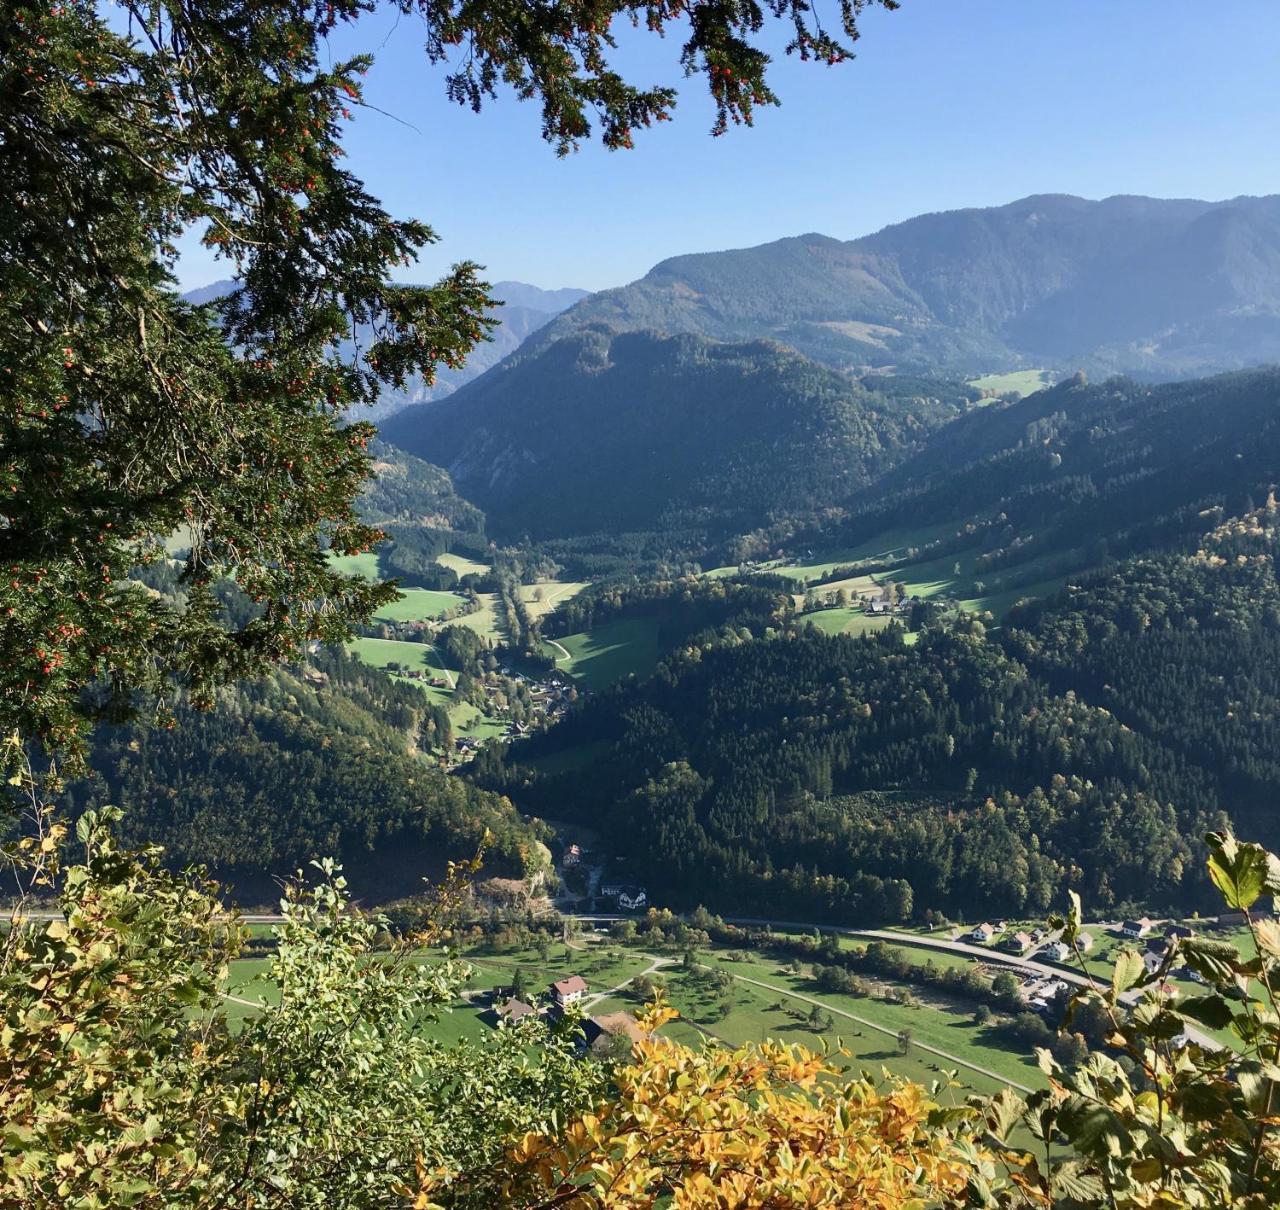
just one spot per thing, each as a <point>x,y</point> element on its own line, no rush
<point>655,964</point>
<point>993,957</point>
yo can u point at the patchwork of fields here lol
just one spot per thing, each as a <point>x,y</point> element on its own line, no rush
<point>917,1040</point>
<point>630,647</point>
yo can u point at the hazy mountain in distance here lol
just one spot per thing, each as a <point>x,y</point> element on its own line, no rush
<point>1132,284</point>
<point>523,310</point>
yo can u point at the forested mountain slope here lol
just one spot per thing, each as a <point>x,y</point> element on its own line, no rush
<point>614,432</point>
<point>861,779</point>
<point>1134,284</point>
<point>1183,648</point>
<point>314,761</point>
<point>1072,476</point>
<point>415,505</point>
<point>1085,744</point>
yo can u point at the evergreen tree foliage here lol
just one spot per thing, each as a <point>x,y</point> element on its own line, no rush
<point>128,415</point>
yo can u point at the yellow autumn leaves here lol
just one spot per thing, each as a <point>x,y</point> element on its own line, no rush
<point>763,1125</point>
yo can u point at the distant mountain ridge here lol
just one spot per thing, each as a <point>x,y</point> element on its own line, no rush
<point>1128,284</point>
<point>522,311</point>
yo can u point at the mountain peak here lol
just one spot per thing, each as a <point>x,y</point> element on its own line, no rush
<point>1049,279</point>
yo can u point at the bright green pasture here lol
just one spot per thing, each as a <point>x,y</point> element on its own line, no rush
<point>365,564</point>
<point>845,621</point>
<point>999,601</point>
<point>460,565</point>
<point>378,653</point>
<point>950,1031</point>
<point>416,604</point>
<point>608,653</point>
<point>484,620</point>
<point>890,544</point>
<point>543,597</point>
<point>469,720</point>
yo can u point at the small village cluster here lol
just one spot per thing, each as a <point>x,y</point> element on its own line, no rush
<point>545,701</point>
<point>564,995</point>
<point>1040,994</point>
<point>613,896</point>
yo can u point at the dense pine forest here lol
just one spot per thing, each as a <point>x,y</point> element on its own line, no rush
<point>1084,741</point>
<point>838,778</point>
<point>318,760</point>
<point>1069,477</point>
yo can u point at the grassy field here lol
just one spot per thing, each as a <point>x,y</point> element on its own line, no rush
<point>468,720</point>
<point>952,1032</point>
<point>1000,601</point>
<point>602,965</point>
<point>599,657</point>
<point>540,599</point>
<point>930,577</point>
<point>891,544</point>
<point>462,566</point>
<point>766,1000</point>
<point>858,585</point>
<point>955,575</point>
<point>378,653</point>
<point>845,621</point>
<point>415,604</point>
<point>918,953</point>
<point>1025,382</point>
<point>365,564</point>
<point>485,620</point>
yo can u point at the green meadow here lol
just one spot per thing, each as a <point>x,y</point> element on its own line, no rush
<point>845,621</point>
<point>417,604</point>
<point>365,564</point>
<point>608,653</point>
<point>1025,382</point>
<point>460,565</point>
<point>766,1000</point>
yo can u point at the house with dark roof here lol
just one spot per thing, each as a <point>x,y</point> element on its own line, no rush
<point>1136,928</point>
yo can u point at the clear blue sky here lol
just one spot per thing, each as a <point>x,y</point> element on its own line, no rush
<point>949,103</point>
